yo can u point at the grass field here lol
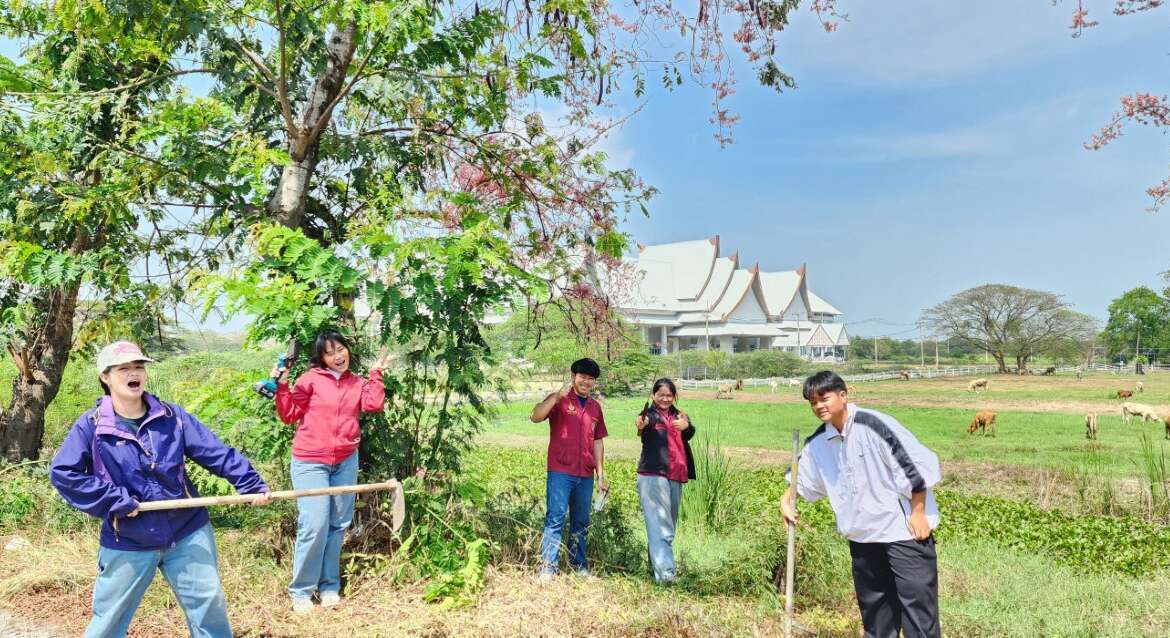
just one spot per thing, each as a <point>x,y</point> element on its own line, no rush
<point>1044,533</point>
<point>1040,438</point>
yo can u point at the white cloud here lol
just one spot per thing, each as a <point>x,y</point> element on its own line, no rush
<point>916,42</point>
<point>943,144</point>
<point>1057,125</point>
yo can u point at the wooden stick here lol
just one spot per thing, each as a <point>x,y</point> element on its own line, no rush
<point>790,564</point>
<point>235,499</point>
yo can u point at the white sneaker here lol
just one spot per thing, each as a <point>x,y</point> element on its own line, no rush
<point>330,599</point>
<point>302,605</point>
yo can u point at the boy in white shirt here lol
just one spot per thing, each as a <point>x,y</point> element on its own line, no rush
<point>877,477</point>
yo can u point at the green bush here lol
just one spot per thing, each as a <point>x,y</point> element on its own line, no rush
<point>716,364</point>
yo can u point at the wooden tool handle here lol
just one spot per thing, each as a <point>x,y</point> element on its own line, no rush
<point>235,499</point>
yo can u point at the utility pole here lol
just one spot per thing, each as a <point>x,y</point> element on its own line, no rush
<point>707,327</point>
<point>875,340</point>
<point>922,350</point>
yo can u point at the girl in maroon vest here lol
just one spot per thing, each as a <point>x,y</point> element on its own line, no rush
<point>665,465</point>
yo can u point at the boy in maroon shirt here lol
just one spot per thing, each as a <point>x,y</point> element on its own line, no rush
<point>576,455</point>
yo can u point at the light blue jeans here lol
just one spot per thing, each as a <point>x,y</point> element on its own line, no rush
<point>565,494</point>
<point>190,568</point>
<point>660,498</point>
<point>321,526</point>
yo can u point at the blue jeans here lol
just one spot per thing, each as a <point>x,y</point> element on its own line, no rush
<point>572,493</point>
<point>190,568</point>
<point>321,526</point>
<point>660,498</point>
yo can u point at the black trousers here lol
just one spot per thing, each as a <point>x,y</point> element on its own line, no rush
<point>897,588</point>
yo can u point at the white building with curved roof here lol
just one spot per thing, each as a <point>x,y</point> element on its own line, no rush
<point>688,296</point>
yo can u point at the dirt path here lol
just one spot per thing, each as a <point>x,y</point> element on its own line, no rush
<point>12,626</point>
<point>614,448</point>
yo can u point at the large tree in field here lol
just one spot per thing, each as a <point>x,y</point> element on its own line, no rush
<point>1009,322</point>
<point>1139,322</point>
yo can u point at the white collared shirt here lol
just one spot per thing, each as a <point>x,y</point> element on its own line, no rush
<point>868,470</point>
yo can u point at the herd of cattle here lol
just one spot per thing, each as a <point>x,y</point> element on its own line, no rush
<point>984,420</point>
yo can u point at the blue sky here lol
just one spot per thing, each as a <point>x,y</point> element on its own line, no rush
<point>930,147</point>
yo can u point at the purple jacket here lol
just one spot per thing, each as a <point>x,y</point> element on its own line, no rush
<point>106,472</point>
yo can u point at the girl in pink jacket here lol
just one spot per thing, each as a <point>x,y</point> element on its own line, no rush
<point>324,404</point>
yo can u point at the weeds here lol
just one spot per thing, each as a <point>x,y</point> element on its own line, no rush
<point>710,500</point>
<point>1153,462</point>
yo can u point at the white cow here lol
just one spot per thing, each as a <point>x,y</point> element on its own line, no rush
<point>1145,412</point>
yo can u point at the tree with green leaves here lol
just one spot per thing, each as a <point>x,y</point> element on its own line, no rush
<point>74,195</point>
<point>1010,322</point>
<point>1139,323</point>
<point>410,143</point>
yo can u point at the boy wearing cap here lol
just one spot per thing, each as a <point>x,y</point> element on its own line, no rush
<point>129,449</point>
<point>878,479</point>
<point>576,456</point>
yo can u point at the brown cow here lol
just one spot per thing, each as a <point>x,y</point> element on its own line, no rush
<point>1124,394</point>
<point>983,421</point>
<point>905,374</point>
<point>1091,426</point>
<point>739,384</point>
<point>1049,371</point>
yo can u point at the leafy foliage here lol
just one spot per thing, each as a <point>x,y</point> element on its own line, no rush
<point>1139,321</point>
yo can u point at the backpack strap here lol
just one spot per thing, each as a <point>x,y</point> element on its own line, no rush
<point>99,466</point>
<point>180,425</point>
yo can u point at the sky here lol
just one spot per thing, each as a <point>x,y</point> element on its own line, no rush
<point>928,148</point>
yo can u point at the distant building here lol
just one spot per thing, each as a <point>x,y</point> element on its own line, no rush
<point>688,296</point>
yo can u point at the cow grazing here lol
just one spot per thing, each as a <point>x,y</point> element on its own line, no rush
<point>1124,394</point>
<point>1091,426</point>
<point>852,388</point>
<point>1049,371</point>
<point>1129,410</point>
<point>723,392</point>
<point>976,385</point>
<point>1139,387</point>
<point>983,421</point>
<point>794,383</point>
<point>905,374</point>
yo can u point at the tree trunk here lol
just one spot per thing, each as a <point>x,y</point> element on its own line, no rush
<point>999,359</point>
<point>287,205</point>
<point>40,366</point>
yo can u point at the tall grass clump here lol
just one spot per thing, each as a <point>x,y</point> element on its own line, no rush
<point>1096,489</point>
<point>1153,462</point>
<point>710,499</point>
